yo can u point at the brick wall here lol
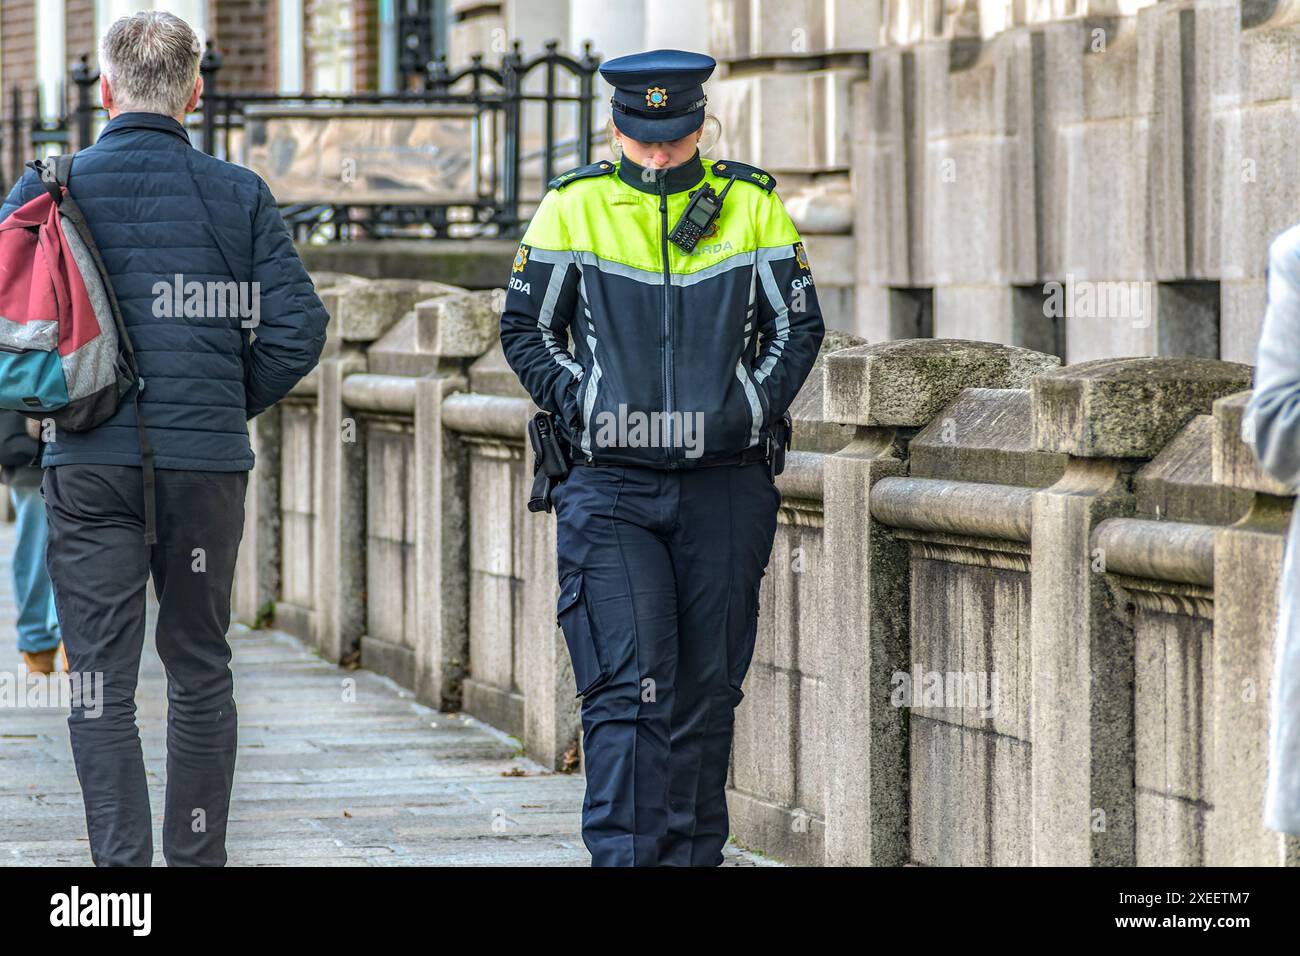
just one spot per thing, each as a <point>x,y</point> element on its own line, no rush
<point>365,17</point>
<point>17,68</point>
<point>79,38</point>
<point>79,30</point>
<point>245,33</point>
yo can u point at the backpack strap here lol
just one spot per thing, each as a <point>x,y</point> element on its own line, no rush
<point>63,168</point>
<point>56,174</point>
<point>49,176</point>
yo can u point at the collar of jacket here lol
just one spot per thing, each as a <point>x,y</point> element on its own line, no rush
<point>685,176</point>
<point>164,124</point>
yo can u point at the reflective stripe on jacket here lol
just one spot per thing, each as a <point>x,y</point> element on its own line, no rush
<point>609,326</point>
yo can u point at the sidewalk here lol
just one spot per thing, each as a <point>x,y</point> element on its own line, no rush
<point>335,768</point>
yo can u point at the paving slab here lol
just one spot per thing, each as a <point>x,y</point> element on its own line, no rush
<point>335,768</point>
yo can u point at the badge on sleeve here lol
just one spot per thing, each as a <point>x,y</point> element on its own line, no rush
<point>800,256</point>
<point>521,259</point>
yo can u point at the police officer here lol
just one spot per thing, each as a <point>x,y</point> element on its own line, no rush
<point>661,308</point>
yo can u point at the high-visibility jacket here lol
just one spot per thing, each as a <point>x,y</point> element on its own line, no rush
<point>648,355</point>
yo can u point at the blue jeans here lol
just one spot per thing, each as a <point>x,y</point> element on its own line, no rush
<point>38,622</point>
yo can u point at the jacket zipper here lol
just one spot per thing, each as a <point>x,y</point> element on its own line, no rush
<point>668,325</point>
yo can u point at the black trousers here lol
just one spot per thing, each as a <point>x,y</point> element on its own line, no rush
<point>100,565</point>
<point>659,582</point>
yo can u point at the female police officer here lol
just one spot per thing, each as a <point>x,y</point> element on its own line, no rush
<point>667,342</point>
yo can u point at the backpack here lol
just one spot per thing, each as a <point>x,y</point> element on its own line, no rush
<point>65,354</point>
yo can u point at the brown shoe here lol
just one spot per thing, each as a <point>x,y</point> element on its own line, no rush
<point>41,662</point>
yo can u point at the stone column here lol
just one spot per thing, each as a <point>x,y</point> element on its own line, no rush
<point>888,391</point>
<point>455,328</point>
<point>442,529</point>
<point>340,495</point>
<point>551,722</point>
<point>1247,568</point>
<point>1109,416</point>
<point>257,572</point>
<point>360,313</point>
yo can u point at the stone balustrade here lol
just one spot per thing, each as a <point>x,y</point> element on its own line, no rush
<point>1015,613</point>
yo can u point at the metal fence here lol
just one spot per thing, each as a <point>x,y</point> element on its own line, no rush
<point>45,131</point>
<point>494,99</point>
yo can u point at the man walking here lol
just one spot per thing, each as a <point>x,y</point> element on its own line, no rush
<point>166,218</point>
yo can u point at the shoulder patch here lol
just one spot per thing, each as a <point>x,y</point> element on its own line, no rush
<point>601,168</point>
<point>745,173</point>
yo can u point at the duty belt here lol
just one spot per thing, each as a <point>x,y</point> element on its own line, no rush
<point>747,457</point>
<point>552,461</point>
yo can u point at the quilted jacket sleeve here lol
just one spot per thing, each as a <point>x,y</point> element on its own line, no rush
<point>290,333</point>
<point>24,191</point>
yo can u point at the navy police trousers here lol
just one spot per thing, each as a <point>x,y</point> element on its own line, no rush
<point>659,576</point>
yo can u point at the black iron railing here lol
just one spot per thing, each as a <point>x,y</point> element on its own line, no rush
<point>42,131</point>
<point>496,97</point>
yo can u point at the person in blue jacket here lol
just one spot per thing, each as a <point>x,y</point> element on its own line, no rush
<point>168,220</point>
<point>38,622</point>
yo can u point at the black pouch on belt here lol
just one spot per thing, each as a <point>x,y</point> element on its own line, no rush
<point>779,444</point>
<point>549,463</point>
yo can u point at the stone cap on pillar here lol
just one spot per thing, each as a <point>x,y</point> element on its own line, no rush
<point>490,374</point>
<point>1235,464</point>
<point>363,311</point>
<point>1127,407</point>
<point>327,280</point>
<point>460,324</point>
<point>904,383</point>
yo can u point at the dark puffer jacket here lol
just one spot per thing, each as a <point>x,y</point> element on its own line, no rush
<point>162,212</point>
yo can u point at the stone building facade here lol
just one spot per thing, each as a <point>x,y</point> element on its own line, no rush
<point>1089,178</point>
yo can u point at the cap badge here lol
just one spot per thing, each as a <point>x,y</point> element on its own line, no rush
<point>656,97</point>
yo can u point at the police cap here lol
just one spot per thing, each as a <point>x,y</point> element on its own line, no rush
<point>658,95</point>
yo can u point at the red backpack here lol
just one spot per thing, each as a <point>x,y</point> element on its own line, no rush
<point>65,354</point>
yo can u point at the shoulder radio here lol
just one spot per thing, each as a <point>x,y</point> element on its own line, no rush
<point>700,213</point>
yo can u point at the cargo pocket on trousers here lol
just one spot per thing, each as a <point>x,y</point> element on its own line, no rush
<point>573,615</point>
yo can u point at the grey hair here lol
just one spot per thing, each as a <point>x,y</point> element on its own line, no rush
<point>151,60</point>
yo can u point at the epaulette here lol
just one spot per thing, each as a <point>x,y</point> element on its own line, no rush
<point>745,173</point>
<point>602,168</point>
